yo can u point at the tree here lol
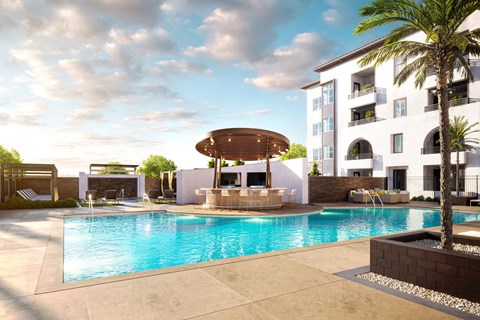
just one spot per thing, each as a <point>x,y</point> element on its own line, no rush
<point>296,150</point>
<point>9,156</point>
<point>460,141</point>
<point>237,163</point>
<point>154,164</point>
<point>113,170</point>
<point>314,172</point>
<point>211,163</point>
<point>442,52</point>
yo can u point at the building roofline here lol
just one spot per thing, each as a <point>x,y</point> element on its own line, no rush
<point>350,55</point>
<point>311,84</point>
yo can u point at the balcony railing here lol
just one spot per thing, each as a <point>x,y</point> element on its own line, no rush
<point>453,103</point>
<point>433,150</point>
<point>362,92</point>
<point>360,156</point>
<point>364,121</point>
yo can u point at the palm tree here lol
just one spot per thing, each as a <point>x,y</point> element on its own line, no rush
<point>460,141</point>
<point>443,52</point>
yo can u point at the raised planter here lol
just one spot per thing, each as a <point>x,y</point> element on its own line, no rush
<point>451,272</point>
<point>462,200</point>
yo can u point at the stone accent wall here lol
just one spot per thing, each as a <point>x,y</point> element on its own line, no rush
<point>68,187</point>
<point>129,185</point>
<point>335,189</point>
<point>152,183</point>
<point>441,270</point>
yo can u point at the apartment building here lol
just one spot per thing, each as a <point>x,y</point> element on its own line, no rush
<point>359,123</point>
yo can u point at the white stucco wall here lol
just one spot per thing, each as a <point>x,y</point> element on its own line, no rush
<point>290,174</point>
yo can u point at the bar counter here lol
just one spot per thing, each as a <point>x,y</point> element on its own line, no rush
<point>243,198</point>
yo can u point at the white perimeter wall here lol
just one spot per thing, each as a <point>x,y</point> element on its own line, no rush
<point>290,174</point>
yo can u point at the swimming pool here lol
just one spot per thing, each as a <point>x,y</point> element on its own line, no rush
<point>101,246</point>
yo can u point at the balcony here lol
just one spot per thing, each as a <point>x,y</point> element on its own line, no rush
<point>360,161</point>
<point>453,103</point>
<point>431,156</point>
<point>363,97</point>
<point>364,121</point>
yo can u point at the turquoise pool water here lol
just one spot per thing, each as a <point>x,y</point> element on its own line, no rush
<point>101,246</point>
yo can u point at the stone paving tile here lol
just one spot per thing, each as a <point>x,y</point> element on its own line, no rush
<point>62,305</point>
<point>18,281</point>
<point>346,300</point>
<point>246,312</point>
<point>268,277</point>
<point>22,257</point>
<point>170,296</point>
<point>332,259</point>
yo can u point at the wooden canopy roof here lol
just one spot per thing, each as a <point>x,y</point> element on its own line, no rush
<point>245,144</point>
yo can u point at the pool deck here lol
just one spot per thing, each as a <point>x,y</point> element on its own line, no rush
<point>290,284</point>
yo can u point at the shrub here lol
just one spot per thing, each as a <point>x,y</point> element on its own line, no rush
<point>415,198</point>
<point>429,199</point>
<point>421,198</point>
<point>19,203</point>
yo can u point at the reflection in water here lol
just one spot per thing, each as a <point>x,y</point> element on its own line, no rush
<point>109,245</point>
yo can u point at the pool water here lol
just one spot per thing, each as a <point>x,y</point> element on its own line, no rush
<point>101,246</point>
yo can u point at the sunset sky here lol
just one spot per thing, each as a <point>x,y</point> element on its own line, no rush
<point>94,81</point>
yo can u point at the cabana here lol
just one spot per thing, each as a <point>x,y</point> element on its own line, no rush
<point>244,144</point>
<point>18,176</point>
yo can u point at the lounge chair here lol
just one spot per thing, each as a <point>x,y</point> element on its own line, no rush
<point>389,198</point>
<point>404,197</point>
<point>169,194</point>
<point>153,193</point>
<point>29,194</point>
<point>110,195</point>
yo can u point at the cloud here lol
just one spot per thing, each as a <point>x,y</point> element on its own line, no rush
<point>288,67</point>
<point>291,98</point>
<point>85,114</point>
<point>29,120</point>
<point>341,12</point>
<point>181,116</point>
<point>180,67</point>
<point>145,41</point>
<point>243,30</point>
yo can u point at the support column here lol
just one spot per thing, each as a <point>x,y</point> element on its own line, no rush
<point>219,177</point>
<point>2,183</point>
<point>215,170</point>
<point>267,178</point>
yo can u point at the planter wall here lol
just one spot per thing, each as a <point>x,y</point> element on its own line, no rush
<point>450,272</point>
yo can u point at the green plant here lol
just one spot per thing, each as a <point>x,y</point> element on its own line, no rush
<point>314,172</point>
<point>296,150</point>
<point>370,114</point>
<point>19,203</point>
<point>354,152</point>
<point>367,86</point>
<point>421,198</point>
<point>430,199</point>
<point>444,50</point>
<point>154,164</point>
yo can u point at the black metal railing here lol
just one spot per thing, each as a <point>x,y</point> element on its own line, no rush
<point>453,103</point>
<point>433,150</point>
<point>364,121</point>
<point>368,155</point>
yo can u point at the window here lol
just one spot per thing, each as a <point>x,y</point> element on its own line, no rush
<point>328,152</point>
<point>397,143</point>
<point>400,108</point>
<point>317,128</point>
<point>398,64</point>
<point>317,102</point>
<point>317,154</point>
<point>231,179</point>
<point>328,124</point>
<point>328,93</point>
<point>256,179</point>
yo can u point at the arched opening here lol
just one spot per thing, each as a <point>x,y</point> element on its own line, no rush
<point>360,149</point>
<point>431,144</point>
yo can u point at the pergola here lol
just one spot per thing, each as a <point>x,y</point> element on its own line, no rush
<point>13,174</point>
<point>244,144</point>
<point>113,168</point>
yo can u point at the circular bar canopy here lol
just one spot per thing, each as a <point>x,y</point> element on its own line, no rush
<point>244,144</point>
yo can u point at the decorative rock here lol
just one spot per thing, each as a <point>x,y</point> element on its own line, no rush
<point>435,296</point>
<point>435,244</point>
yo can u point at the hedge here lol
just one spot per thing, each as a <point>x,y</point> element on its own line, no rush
<point>19,203</point>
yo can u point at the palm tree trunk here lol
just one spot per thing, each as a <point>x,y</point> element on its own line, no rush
<point>445,165</point>
<point>457,184</point>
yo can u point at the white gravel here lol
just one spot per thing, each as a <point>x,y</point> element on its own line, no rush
<point>464,248</point>
<point>435,296</point>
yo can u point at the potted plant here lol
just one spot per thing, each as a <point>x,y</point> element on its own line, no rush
<point>354,153</point>
<point>370,115</point>
<point>367,86</point>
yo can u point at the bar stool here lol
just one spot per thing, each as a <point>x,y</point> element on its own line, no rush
<point>279,197</point>
<point>226,198</point>
<point>291,199</point>
<point>200,198</point>
<point>244,198</point>
<point>264,198</point>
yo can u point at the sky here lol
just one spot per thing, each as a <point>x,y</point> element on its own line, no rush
<point>94,81</point>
